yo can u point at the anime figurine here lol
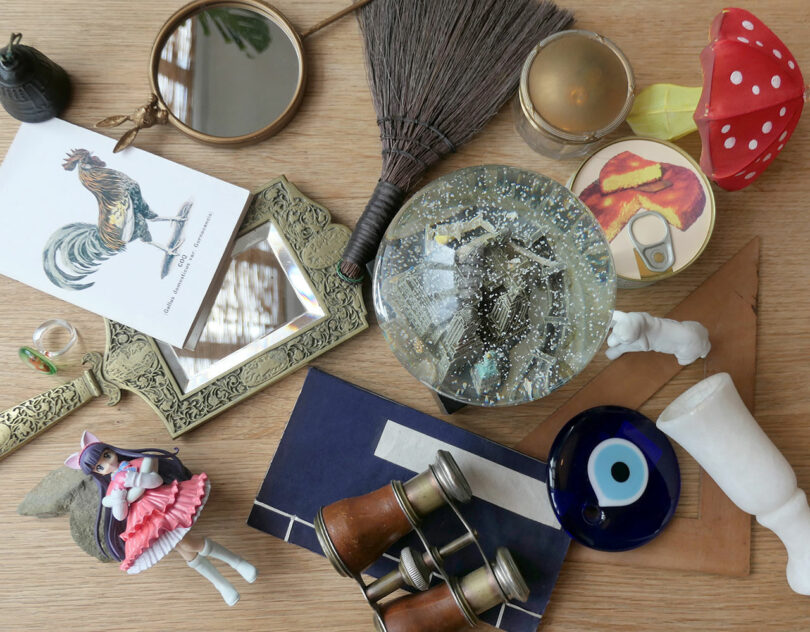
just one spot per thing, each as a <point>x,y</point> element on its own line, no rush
<point>152,502</point>
<point>638,331</point>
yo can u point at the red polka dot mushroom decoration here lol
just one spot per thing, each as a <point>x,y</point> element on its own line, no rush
<point>752,97</point>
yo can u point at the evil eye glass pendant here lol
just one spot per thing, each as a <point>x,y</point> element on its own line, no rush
<point>618,473</point>
<point>614,479</point>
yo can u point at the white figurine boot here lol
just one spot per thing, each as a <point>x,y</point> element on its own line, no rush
<point>713,424</point>
<point>207,570</point>
<point>240,565</point>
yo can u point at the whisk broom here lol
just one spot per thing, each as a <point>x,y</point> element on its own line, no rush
<point>439,70</point>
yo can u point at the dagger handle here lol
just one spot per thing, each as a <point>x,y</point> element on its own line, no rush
<point>23,422</point>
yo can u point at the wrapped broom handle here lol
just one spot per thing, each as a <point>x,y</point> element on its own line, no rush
<point>369,230</point>
<point>432,94</point>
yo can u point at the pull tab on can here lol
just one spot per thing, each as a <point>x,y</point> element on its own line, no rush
<point>658,256</point>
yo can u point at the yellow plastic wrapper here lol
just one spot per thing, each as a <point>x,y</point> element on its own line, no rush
<point>665,111</point>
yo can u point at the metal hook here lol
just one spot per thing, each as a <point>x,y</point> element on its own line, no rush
<point>12,42</point>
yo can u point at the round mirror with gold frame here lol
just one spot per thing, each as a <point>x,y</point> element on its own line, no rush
<point>226,72</point>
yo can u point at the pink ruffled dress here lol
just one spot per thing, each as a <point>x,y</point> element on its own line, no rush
<point>160,518</point>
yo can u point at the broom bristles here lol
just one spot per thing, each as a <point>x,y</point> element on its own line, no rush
<point>439,70</point>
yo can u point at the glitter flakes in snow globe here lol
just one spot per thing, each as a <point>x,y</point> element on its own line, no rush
<point>494,285</point>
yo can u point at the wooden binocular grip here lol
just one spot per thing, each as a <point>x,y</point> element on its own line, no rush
<point>434,610</point>
<point>363,528</point>
<point>355,532</point>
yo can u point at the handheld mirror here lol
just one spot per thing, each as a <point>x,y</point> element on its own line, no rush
<point>224,72</point>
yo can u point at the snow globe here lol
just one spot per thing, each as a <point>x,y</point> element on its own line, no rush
<point>494,285</point>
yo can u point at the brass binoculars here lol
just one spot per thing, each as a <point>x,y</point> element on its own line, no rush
<point>355,532</point>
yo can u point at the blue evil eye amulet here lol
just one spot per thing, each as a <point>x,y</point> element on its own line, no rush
<point>614,479</point>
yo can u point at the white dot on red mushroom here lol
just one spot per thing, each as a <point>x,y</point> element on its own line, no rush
<point>759,43</point>
<point>766,158</point>
<point>783,111</point>
<point>744,40</point>
<point>725,129</point>
<point>753,145</point>
<point>750,175</point>
<point>776,81</point>
<point>791,64</point>
<point>755,89</point>
<point>736,77</point>
<point>747,25</point>
<point>777,54</point>
<point>782,136</point>
<point>729,142</point>
<point>780,147</point>
<point>767,127</point>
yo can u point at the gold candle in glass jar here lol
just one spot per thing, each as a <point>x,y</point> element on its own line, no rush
<point>575,88</point>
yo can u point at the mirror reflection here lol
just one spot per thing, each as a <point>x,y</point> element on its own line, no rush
<point>264,299</point>
<point>228,71</point>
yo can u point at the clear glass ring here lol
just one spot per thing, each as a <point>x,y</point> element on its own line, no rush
<point>48,326</point>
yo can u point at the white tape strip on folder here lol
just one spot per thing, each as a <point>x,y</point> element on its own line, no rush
<point>489,481</point>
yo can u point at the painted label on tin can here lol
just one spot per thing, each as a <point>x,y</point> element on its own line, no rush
<point>654,204</point>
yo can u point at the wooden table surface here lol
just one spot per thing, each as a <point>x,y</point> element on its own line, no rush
<point>331,152</point>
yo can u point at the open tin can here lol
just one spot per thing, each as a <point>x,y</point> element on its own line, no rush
<point>653,202</point>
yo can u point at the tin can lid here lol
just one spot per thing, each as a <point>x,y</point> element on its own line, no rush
<point>577,86</point>
<point>653,202</point>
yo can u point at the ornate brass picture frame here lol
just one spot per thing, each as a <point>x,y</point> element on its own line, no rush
<point>135,362</point>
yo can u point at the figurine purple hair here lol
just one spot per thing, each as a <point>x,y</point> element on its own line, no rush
<point>152,502</point>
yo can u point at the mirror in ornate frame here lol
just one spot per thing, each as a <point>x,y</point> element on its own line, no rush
<point>280,305</point>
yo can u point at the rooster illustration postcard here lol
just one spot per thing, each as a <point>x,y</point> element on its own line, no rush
<point>123,216</point>
<point>131,236</point>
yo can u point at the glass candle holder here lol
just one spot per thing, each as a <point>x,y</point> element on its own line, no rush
<point>575,88</point>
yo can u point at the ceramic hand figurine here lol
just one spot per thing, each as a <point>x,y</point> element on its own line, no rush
<point>153,502</point>
<point>638,331</point>
<point>712,423</point>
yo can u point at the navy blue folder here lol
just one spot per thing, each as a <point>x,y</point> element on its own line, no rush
<point>344,441</point>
